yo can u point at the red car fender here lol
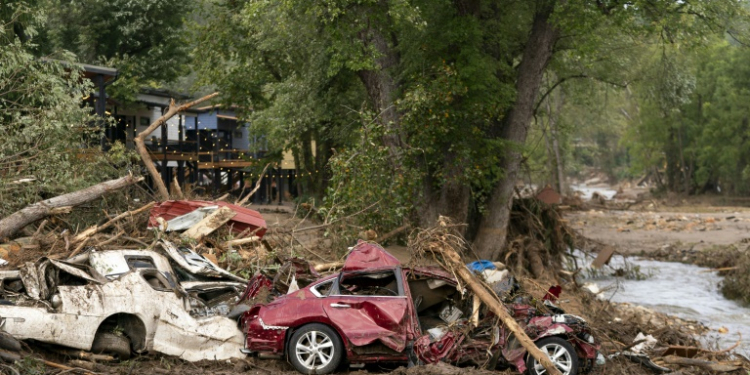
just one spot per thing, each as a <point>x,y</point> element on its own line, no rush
<point>556,329</point>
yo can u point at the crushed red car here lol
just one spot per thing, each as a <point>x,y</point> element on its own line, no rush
<point>376,310</point>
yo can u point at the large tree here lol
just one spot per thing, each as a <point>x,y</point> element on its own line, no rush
<point>144,39</point>
<point>452,85</point>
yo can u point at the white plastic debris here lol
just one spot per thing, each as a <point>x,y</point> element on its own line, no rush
<point>436,333</point>
<point>648,344</point>
<point>494,276</point>
<point>293,287</point>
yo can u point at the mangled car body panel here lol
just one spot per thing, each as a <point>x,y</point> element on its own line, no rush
<point>135,291</point>
<point>383,312</point>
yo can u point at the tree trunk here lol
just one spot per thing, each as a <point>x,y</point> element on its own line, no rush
<point>492,232</point>
<point>13,223</point>
<point>555,134</point>
<point>382,89</point>
<point>449,197</point>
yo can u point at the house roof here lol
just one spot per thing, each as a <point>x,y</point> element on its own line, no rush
<point>89,71</point>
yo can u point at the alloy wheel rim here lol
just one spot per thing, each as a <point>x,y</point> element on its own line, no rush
<point>314,350</point>
<point>560,356</point>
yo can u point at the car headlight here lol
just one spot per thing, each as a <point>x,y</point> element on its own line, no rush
<point>589,338</point>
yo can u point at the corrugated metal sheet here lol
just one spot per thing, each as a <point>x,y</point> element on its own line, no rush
<point>245,218</point>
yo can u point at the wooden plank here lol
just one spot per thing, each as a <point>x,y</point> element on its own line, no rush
<point>604,256</point>
<point>210,223</point>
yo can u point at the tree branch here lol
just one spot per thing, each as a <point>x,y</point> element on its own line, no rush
<point>141,146</point>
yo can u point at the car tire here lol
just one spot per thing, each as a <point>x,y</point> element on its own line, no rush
<point>315,349</point>
<point>562,354</point>
<point>111,343</point>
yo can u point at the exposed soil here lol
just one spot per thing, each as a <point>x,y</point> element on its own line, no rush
<point>645,229</point>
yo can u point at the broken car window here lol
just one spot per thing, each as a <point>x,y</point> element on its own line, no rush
<point>140,262</point>
<point>369,284</point>
<point>322,289</point>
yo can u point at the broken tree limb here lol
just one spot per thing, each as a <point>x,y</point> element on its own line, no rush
<point>210,223</point>
<point>393,233</point>
<point>244,200</point>
<point>242,241</point>
<point>140,144</point>
<point>98,228</point>
<point>16,221</point>
<point>328,266</point>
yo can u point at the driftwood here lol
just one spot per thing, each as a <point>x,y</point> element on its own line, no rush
<point>210,223</point>
<point>140,144</point>
<point>393,233</point>
<point>498,309</point>
<point>8,356</point>
<point>63,203</point>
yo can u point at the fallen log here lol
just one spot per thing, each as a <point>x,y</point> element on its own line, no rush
<point>140,144</point>
<point>16,221</point>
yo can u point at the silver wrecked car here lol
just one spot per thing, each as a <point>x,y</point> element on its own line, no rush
<point>169,300</point>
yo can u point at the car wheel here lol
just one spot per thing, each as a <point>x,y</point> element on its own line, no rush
<point>315,349</point>
<point>110,343</point>
<point>560,352</point>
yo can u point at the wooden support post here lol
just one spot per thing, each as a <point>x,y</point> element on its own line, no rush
<point>279,187</point>
<point>197,150</point>
<point>217,181</point>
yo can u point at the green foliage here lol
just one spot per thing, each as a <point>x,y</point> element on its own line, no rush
<point>44,128</point>
<point>364,183</point>
<point>143,39</point>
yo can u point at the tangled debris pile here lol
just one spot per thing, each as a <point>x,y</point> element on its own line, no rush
<point>119,262</point>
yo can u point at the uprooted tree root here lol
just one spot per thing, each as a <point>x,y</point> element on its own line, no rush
<point>538,238</point>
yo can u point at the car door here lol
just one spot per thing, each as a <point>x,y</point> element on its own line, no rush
<point>371,305</point>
